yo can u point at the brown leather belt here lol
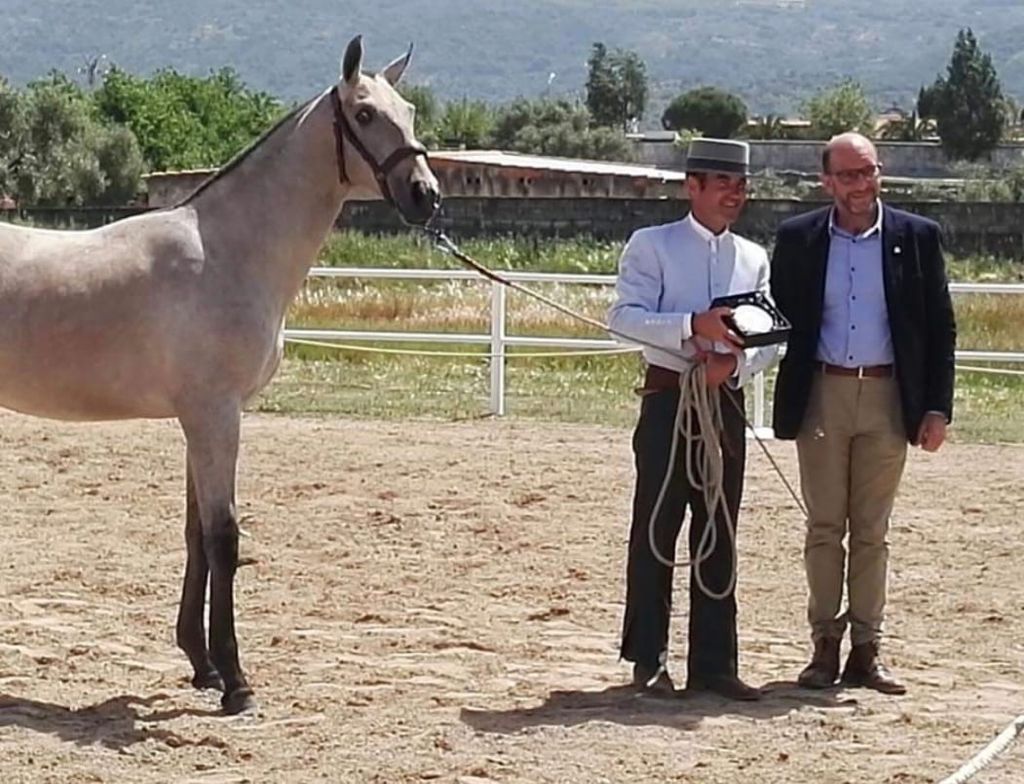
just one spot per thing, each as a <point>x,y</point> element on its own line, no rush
<point>867,371</point>
<point>658,379</point>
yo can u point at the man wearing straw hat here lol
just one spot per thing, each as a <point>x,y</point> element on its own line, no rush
<point>668,277</point>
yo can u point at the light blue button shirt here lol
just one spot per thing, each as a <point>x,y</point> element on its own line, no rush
<point>854,322</point>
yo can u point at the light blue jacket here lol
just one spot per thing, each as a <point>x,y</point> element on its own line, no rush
<point>670,272</point>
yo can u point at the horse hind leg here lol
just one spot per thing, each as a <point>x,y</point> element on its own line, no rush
<point>212,440</point>
<point>191,628</point>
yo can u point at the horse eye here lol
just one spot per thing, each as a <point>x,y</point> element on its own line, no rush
<point>363,116</point>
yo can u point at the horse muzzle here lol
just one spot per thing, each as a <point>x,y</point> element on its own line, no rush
<point>424,201</point>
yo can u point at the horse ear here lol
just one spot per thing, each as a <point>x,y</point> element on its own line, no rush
<point>352,62</point>
<point>397,67</point>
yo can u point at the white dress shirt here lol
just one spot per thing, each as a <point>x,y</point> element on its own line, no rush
<point>670,272</point>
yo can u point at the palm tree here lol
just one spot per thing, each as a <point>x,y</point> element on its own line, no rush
<point>768,127</point>
<point>911,128</point>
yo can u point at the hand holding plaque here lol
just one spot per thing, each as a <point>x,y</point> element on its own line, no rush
<point>754,318</point>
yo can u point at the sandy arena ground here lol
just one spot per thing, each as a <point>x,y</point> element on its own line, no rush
<point>441,602</point>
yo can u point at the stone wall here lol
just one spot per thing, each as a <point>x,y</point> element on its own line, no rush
<point>68,217</point>
<point>982,227</point>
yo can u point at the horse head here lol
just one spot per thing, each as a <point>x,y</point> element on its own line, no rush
<point>378,153</point>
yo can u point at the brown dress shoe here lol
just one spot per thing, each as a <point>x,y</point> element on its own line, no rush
<point>728,686</point>
<point>649,680</point>
<point>821,673</point>
<point>864,669</point>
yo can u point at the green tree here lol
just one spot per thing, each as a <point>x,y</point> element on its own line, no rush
<point>602,95</point>
<point>428,109</point>
<point>968,103</point>
<point>120,159</point>
<point>632,74</point>
<point>616,87</point>
<point>547,127</point>
<point>1011,117</point>
<point>839,109</point>
<point>770,126</point>
<point>65,154</point>
<point>11,134</point>
<point>927,102</point>
<point>185,122</point>
<point>465,124</point>
<point>709,110</point>
<point>912,128</point>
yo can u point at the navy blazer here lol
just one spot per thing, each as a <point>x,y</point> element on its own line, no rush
<point>917,299</point>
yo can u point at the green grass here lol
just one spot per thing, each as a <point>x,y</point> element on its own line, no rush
<point>580,254</point>
<point>594,389</point>
<point>352,249</point>
<point>985,269</point>
<point>989,408</point>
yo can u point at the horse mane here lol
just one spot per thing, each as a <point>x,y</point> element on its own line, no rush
<point>239,157</point>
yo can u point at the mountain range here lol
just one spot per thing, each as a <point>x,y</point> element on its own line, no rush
<point>773,53</point>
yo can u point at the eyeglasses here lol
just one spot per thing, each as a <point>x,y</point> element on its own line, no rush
<point>853,176</point>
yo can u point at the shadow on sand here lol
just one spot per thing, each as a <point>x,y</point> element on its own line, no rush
<point>623,705</point>
<point>115,723</point>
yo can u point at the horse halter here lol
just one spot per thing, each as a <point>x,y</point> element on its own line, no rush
<point>343,129</point>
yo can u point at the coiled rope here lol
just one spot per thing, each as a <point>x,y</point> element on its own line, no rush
<point>698,423</point>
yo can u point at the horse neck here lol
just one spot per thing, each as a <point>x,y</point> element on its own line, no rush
<point>270,213</point>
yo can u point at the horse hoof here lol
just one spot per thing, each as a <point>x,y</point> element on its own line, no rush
<point>208,680</point>
<point>238,701</point>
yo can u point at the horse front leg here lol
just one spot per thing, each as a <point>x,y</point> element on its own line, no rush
<point>191,627</point>
<point>213,453</point>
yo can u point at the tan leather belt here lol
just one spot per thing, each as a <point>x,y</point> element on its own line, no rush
<point>867,371</point>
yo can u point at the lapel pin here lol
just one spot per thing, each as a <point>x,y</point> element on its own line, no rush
<point>897,249</point>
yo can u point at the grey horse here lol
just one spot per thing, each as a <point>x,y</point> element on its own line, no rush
<point>178,313</point>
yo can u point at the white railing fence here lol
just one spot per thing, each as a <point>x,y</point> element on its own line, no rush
<point>499,339</point>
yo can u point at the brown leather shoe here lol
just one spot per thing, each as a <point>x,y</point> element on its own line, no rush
<point>864,669</point>
<point>824,667</point>
<point>648,680</point>
<point>728,686</point>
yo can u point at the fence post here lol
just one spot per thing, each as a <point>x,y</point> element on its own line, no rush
<point>759,401</point>
<point>498,295</point>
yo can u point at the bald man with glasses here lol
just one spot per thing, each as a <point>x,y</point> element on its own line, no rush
<point>868,368</point>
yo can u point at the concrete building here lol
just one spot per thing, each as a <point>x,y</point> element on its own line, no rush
<point>166,188</point>
<point>494,174</point>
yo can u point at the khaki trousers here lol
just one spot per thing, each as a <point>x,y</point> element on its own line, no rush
<point>852,447</point>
